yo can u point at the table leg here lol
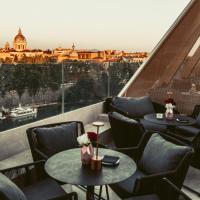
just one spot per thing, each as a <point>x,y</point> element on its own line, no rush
<point>90,193</point>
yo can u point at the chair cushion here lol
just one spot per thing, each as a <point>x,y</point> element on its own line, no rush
<point>125,188</point>
<point>10,191</point>
<point>44,189</point>
<point>136,107</point>
<point>160,155</point>
<point>126,132</point>
<point>152,126</point>
<point>52,140</point>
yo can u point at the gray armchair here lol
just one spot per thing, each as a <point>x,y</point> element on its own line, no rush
<point>191,135</point>
<point>157,156</point>
<point>33,185</point>
<point>137,108</point>
<point>50,139</point>
<point>125,132</point>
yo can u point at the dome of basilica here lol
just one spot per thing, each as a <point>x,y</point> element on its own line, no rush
<point>19,37</point>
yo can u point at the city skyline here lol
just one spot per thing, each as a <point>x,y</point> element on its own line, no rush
<point>123,25</point>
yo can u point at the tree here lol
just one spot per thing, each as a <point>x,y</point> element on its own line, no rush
<point>85,91</point>
<point>33,82</point>
<point>119,74</point>
<point>19,80</point>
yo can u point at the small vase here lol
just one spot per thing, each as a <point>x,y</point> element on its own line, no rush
<point>87,153</point>
<point>169,114</point>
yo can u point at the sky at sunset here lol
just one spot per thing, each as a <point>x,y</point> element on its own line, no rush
<point>132,25</point>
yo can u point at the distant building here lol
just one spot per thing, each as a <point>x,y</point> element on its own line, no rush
<point>20,43</point>
<point>20,53</point>
<point>7,46</point>
<point>87,55</point>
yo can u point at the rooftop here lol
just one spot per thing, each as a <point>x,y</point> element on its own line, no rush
<point>171,72</point>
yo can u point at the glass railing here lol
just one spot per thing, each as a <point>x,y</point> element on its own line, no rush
<point>30,92</point>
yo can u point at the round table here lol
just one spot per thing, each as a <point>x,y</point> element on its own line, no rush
<point>66,167</point>
<point>170,123</point>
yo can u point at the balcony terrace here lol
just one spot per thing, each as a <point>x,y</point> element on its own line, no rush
<point>172,67</point>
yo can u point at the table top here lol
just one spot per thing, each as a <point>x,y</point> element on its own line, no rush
<point>152,118</point>
<point>66,167</point>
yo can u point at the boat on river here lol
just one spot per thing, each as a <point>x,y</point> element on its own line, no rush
<point>23,112</point>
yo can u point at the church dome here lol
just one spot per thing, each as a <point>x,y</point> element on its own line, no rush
<point>19,37</point>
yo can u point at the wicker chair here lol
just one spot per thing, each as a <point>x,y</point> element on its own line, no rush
<point>157,156</point>
<point>50,139</point>
<point>191,135</point>
<point>32,185</point>
<point>121,125</point>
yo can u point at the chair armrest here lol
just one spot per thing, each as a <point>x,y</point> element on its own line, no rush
<point>26,166</point>
<point>26,174</point>
<point>126,114</point>
<point>41,154</point>
<point>136,152</point>
<point>148,184</point>
<point>167,186</point>
<point>196,111</point>
<point>81,126</point>
<point>133,152</point>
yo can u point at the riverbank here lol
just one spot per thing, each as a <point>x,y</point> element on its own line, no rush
<point>44,111</point>
<point>45,104</point>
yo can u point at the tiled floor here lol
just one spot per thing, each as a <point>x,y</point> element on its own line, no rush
<point>112,195</point>
<point>190,194</point>
<point>82,195</point>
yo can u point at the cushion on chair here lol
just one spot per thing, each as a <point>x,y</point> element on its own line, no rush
<point>45,189</point>
<point>136,107</point>
<point>125,188</point>
<point>160,155</point>
<point>152,126</point>
<point>10,191</point>
<point>126,132</point>
<point>52,140</point>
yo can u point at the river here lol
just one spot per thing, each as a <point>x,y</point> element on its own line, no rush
<point>43,112</point>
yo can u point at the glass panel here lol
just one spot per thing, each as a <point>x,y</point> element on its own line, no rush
<point>184,83</point>
<point>167,72</point>
<point>174,65</point>
<point>52,88</point>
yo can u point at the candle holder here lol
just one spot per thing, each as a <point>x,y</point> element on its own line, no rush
<point>96,161</point>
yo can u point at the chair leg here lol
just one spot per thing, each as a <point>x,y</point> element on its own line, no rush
<point>75,196</point>
<point>100,191</point>
<point>72,196</point>
<point>107,193</point>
